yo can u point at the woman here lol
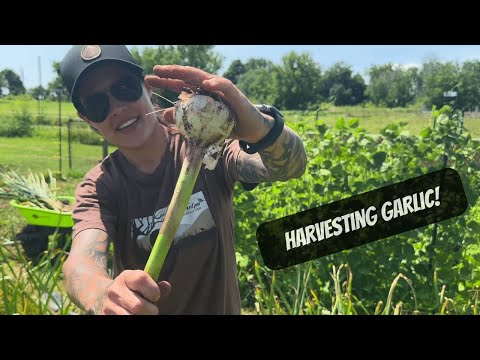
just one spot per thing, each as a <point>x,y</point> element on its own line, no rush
<point>124,199</point>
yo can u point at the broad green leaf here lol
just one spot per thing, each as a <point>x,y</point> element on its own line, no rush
<point>353,123</point>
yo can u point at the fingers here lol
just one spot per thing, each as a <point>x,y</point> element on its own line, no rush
<point>175,85</point>
<point>188,74</point>
<point>140,282</point>
<point>136,304</point>
<point>133,292</point>
<point>132,302</point>
<point>114,309</point>
<point>175,78</point>
<point>165,288</point>
<point>221,85</point>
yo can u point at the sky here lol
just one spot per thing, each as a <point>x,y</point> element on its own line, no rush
<point>25,59</point>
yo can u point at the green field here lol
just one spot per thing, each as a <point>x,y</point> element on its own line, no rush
<point>38,155</point>
<point>373,119</point>
<point>49,109</point>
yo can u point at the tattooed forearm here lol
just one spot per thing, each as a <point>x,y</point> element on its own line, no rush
<point>95,248</point>
<point>284,160</point>
<point>75,286</point>
<point>85,270</point>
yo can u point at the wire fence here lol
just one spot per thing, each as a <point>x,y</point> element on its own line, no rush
<point>70,148</point>
<point>67,144</point>
<point>79,133</point>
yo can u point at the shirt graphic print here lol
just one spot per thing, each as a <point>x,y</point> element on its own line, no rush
<point>197,218</point>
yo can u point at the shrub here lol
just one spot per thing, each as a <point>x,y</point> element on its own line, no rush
<point>18,125</point>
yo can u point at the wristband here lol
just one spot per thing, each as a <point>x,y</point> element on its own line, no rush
<point>272,135</point>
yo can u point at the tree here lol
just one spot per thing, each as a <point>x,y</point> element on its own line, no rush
<point>260,86</point>
<point>381,77</point>
<point>257,79</point>
<point>38,93</point>
<point>237,68</point>
<point>10,80</point>
<point>163,54</point>
<point>298,81</point>
<point>3,86</point>
<point>200,56</point>
<point>234,71</point>
<point>358,89</point>
<point>338,86</point>
<point>56,83</point>
<point>469,85</point>
<point>258,63</point>
<point>438,78</point>
<point>392,85</point>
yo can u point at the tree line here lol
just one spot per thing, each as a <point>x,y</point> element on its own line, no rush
<point>300,83</point>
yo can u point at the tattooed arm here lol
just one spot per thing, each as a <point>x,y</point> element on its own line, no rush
<point>86,269</point>
<point>90,287</point>
<point>285,159</point>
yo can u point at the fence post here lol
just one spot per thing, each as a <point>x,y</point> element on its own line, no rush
<point>70,121</point>
<point>59,97</point>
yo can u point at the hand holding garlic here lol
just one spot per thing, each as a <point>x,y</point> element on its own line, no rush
<point>250,124</point>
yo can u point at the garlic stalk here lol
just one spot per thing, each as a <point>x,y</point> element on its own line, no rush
<point>203,122</point>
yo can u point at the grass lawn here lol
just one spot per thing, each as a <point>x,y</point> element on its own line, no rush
<point>373,119</point>
<point>48,109</point>
<point>40,154</point>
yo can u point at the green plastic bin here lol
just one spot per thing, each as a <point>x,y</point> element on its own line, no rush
<point>44,217</point>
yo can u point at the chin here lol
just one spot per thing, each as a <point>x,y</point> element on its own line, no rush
<point>135,141</point>
<point>132,144</point>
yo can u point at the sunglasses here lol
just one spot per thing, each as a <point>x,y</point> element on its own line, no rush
<point>97,106</point>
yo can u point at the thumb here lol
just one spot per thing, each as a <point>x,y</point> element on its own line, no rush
<point>165,288</point>
<point>168,115</point>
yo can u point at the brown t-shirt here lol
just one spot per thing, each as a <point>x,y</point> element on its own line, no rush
<point>130,206</point>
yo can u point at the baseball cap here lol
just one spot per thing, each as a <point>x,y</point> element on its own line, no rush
<point>82,57</point>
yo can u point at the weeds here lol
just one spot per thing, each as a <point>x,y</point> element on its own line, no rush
<point>272,300</point>
<point>33,287</point>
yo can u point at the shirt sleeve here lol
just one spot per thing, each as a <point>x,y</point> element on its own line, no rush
<point>94,208</point>
<point>229,161</point>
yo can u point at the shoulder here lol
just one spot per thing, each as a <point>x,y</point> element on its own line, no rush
<point>106,172</point>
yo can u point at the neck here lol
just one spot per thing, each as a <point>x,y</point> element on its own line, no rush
<point>148,157</point>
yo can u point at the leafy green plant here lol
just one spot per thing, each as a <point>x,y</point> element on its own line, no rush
<point>345,161</point>
<point>20,124</point>
<point>31,189</point>
<point>32,289</point>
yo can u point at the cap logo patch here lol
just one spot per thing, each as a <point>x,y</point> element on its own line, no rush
<point>90,52</point>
